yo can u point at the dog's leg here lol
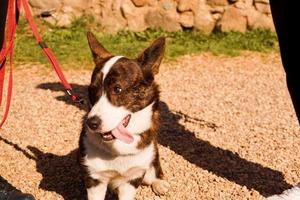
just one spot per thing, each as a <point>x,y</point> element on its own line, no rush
<point>159,185</point>
<point>126,191</point>
<point>97,192</point>
<point>154,177</point>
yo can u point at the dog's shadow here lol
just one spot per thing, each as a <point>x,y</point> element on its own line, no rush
<point>61,174</point>
<point>5,188</point>
<point>223,163</point>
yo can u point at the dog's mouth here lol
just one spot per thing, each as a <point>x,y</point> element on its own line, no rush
<point>120,132</point>
<point>107,136</point>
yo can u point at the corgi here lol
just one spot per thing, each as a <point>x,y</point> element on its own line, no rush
<point>118,143</point>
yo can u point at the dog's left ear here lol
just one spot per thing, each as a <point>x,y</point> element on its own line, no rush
<point>151,58</point>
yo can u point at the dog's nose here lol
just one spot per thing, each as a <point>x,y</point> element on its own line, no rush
<point>93,122</point>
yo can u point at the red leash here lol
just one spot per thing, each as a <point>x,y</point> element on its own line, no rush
<point>13,15</point>
<point>14,8</point>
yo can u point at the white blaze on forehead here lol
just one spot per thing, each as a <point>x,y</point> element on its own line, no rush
<point>108,65</point>
<point>103,108</point>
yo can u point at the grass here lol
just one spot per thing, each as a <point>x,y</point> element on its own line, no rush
<point>71,48</point>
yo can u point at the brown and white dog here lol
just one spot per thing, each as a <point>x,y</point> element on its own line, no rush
<point>118,143</point>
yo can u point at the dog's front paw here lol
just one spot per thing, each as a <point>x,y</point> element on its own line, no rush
<point>160,187</point>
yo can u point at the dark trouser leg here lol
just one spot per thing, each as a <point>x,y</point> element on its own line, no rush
<point>3,11</point>
<point>283,15</point>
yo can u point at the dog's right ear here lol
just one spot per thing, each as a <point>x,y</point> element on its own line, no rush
<point>98,51</point>
<point>151,58</point>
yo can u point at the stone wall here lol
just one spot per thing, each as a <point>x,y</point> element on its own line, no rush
<point>170,15</point>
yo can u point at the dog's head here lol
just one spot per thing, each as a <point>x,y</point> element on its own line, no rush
<point>122,91</point>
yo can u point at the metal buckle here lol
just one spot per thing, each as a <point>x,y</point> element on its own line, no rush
<point>74,98</point>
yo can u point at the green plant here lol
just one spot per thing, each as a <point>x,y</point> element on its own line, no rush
<point>70,45</point>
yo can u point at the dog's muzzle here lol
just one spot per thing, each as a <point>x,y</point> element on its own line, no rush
<point>119,132</point>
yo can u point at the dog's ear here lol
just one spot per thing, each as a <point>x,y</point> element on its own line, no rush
<point>98,51</point>
<point>151,58</point>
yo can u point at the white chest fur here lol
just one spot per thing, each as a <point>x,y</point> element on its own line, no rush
<point>121,164</point>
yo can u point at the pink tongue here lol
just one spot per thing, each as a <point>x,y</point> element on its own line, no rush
<point>121,133</point>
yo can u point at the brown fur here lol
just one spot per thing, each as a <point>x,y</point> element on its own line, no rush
<point>151,135</point>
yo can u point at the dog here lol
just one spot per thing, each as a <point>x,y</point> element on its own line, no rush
<point>118,143</point>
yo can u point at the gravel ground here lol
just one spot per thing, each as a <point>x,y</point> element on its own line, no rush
<point>229,131</point>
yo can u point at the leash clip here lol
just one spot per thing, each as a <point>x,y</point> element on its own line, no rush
<point>74,98</point>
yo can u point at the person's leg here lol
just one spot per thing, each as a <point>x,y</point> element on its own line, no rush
<point>284,14</point>
<point>3,11</point>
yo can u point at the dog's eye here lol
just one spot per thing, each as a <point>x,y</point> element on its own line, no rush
<point>117,90</point>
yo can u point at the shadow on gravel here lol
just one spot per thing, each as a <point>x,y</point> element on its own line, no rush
<point>5,188</point>
<point>80,90</point>
<point>224,163</point>
<point>221,162</point>
<point>61,173</point>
